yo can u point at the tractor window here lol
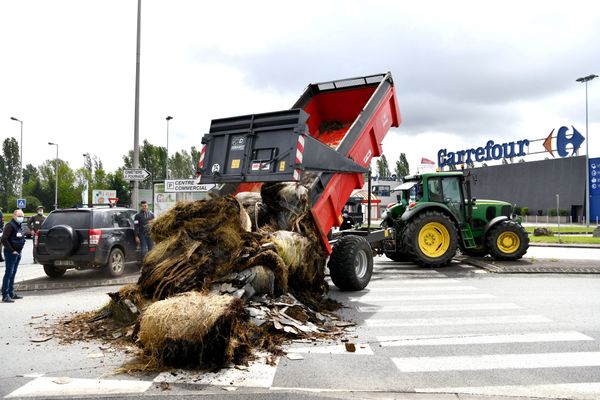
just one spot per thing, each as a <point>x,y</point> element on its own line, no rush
<point>435,190</point>
<point>452,195</point>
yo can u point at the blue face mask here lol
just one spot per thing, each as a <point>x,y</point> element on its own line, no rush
<point>20,220</point>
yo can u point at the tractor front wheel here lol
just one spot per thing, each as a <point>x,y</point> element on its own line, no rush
<point>431,239</point>
<point>351,263</point>
<point>507,240</point>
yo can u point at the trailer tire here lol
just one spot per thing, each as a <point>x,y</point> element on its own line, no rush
<point>351,263</point>
<point>431,239</point>
<point>507,240</point>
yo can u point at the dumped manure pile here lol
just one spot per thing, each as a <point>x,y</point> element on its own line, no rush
<point>227,276</point>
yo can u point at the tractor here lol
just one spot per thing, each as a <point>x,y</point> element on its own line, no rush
<point>435,215</point>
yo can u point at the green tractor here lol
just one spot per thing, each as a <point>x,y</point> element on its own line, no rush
<point>435,215</point>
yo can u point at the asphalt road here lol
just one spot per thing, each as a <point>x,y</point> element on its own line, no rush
<point>445,333</point>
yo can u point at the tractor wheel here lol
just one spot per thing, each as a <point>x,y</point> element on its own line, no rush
<point>351,263</point>
<point>431,239</point>
<point>507,241</point>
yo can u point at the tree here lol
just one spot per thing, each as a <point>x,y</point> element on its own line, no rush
<point>9,170</point>
<point>402,167</point>
<point>181,165</point>
<point>152,158</point>
<point>29,173</point>
<point>69,192</point>
<point>383,168</point>
<point>116,182</point>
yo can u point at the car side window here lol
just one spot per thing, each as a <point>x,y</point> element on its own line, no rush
<point>121,220</point>
<point>102,220</point>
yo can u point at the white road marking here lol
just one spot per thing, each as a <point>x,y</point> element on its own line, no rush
<point>497,361</point>
<point>45,387</point>
<point>435,340</point>
<point>421,289</point>
<point>361,349</point>
<point>579,391</point>
<point>416,271</point>
<point>483,320</point>
<point>258,374</point>
<point>415,281</point>
<point>439,307</point>
<point>420,297</point>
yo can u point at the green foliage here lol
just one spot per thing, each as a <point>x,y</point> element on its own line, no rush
<point>9,170</point>
<point>402,167</point>
<point>116,182</point>
<point>552,212</point>
<point>563,212</point>
<point>383,168</point>
<point>518,210</point>
<point>152,158</point>
<point>181,166</point>
<point>524,210</point>
<point>32,203</point>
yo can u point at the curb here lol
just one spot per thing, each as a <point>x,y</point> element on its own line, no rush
<point>566,245</point>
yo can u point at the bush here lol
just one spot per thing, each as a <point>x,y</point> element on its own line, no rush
<point>542,232</point>
<point>518,210</point>
<point>552,212</point>
<point>525,210</point>
<point>32,203</point>
<point>563,212</point>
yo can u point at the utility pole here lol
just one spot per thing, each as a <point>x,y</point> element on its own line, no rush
<point>136,126</point>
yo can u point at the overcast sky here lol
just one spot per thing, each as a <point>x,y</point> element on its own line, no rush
<point>465,72</point>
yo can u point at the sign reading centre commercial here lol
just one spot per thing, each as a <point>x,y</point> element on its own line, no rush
<point>497,151</point>
<point>185,185</point>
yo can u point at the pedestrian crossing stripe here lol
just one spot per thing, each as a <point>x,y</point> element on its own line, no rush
<point>422,289</point>
<point>497,361</point>
<point>454,321</point>
<point>416,298</point>
<point>438,307</point>
<point>462,339</point>
<point>582,390</point>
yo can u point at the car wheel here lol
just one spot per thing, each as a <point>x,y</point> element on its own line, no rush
<point>54,272</point>
<point>116,263</point>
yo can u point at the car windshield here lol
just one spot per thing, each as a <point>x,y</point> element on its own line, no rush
<point>75,219</point>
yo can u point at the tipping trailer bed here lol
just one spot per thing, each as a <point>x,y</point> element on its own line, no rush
<point>331,133</point>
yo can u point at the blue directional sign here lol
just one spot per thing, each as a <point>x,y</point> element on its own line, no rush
<point>594,169</point>
<point>21,203</point>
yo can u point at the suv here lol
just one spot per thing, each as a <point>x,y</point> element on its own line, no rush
<point>87,238</point>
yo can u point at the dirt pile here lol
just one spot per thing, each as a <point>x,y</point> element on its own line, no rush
<point>227,275</point>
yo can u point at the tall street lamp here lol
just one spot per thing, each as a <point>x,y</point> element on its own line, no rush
<point>20,159</point>
<point>167,161</point>
<point>56,188</point>
<point>86,185</point>
<point>585,80</point>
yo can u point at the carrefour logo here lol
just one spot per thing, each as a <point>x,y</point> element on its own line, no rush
<point>562,141</point>
<point>520,148</point>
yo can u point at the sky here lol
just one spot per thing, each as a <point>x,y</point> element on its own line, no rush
<point>465,72</point>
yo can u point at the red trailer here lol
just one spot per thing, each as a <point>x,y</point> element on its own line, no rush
<point>333,130</point>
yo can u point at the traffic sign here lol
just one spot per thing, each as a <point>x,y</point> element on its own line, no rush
<point>135,174</point>
<point>21,203</point>
<point>113,200</point>
<point>185,185</point>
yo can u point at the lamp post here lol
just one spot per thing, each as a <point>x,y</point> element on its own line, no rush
<point>87,156</point>
<point>56,188</point>
<point>167,161</point>
<point>20,159</point>
<point>585,80</point>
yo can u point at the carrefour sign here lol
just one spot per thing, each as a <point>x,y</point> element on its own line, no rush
<point>497,151</point>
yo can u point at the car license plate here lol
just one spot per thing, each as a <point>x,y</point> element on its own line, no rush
<point>64,263</point>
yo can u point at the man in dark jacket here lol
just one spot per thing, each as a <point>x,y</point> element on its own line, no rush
<point>34,224</point>
<point>1,227</point>
<point>142,230</point>
<point>13,240</point>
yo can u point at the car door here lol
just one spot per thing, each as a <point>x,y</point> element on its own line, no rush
<point>124,222</point>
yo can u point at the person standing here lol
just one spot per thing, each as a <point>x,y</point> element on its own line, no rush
<point>142,228</point>
<point>13,240</point>
<point>1,226</point>
<point>34,224</point>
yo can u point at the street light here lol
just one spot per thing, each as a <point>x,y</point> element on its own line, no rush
<point>56,188</point>
<point>20,159</point>
<point>87,181</point>
<point>167,162</point>
<point>585,80</point>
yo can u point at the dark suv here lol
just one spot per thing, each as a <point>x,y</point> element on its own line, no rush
<point>87,238</point>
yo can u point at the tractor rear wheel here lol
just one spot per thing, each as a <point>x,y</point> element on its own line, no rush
<point>507,240</point>
<point>351,263</point>
<point>431,239</point>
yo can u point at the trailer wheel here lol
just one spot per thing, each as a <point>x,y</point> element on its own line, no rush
<point>507,241</point>
<point>351,263</point>
<point>431,239</point>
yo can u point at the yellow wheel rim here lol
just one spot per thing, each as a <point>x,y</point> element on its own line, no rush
<point>434,239</point>
<point>508,242</point>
